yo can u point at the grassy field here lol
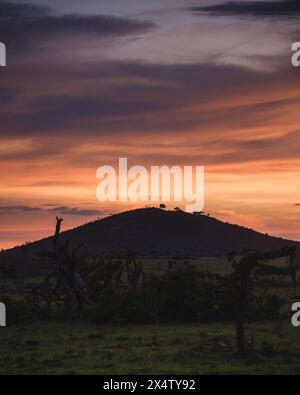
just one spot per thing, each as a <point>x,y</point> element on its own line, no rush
<point>206,348</point>
<point>211,264</point>
<point>72,348</point>
<point>216,265</point>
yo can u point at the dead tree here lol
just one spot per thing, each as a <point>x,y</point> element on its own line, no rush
<point>240,288</point>
<point>249,271</point>
<point>66,276</point>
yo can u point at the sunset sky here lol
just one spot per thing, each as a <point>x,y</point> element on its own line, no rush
<point>168,82</point>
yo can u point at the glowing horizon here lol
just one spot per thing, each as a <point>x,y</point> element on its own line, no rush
<point>159,84</point>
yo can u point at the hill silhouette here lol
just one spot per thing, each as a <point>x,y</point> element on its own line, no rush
<point>152,231</point>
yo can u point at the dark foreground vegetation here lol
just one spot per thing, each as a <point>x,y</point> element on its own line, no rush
<point>110,315</point>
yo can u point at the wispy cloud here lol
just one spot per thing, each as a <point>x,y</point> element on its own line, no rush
<point>64,210</point>
<point>17,209</point>
<point>135,106</point>
<point>76,211</point>
<point>254,8</point>
<point>26,27</point>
